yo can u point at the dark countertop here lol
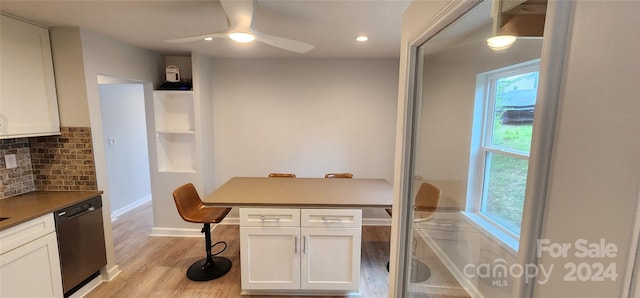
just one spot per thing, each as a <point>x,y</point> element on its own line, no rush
<point>25,207</point>
<point>302,192</point>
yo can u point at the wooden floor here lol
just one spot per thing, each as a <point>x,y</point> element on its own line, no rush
<point>156,266</point>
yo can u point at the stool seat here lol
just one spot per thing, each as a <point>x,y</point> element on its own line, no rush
<point>206,215</point>
<point>191,209</point>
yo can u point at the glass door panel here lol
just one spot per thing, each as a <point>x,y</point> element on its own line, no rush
<point>473,117</point>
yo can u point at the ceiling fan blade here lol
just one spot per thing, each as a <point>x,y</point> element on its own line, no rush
<point>239,14</point>
<point>240,18</point>
<point>283,43</point>
<point>198,37</point>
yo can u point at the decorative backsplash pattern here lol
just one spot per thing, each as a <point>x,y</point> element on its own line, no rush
<point>17,180</point>
<point>51,163</point>
<point>64,162</point>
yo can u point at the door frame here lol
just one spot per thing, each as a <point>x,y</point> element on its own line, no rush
<point>551,70</point>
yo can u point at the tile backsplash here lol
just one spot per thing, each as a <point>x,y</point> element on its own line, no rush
<point>52,163</point>
<point>17,180</point>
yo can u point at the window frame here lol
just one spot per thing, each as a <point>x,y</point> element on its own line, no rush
<point>481,147</point>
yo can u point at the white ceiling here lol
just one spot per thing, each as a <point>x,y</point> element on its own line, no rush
<point>330,25</point>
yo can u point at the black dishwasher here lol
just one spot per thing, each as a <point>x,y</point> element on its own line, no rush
<point>81,243</point>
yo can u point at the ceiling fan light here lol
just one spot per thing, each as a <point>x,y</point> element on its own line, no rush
<point>241,36</point>
<point>362,38</point>
<point>208,38</point>
<point>500,42</point>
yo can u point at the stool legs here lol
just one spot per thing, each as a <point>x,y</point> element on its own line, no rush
<point>210,267</point>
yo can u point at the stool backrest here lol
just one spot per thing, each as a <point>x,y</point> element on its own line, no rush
<point>427,197</point>
<point>188,202</point>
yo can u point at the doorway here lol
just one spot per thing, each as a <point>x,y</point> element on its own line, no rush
<point>122,109</point>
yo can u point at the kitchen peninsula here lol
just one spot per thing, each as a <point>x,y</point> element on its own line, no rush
<point>301,236</point>
<point>302,192</point>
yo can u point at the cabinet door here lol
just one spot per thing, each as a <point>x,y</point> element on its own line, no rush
<point>28,102</point>
<point>270,258</point>
<point>32,270</point>
<point>330,259</point>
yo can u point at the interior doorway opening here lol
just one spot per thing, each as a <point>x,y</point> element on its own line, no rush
<point>122,109</point>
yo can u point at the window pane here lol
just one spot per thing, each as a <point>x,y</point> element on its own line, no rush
<point>504,186</point>
<point>515,100</point>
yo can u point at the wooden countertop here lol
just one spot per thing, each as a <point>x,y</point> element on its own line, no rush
<point>302,192</point>
<point>25,207</point>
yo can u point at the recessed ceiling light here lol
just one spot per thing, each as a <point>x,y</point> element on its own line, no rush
<point>208,38</point>
<point>241,36</point>
<point>362,38</point>
<point>501,42</point>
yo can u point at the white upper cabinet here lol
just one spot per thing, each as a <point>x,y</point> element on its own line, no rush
<point>28,102</point>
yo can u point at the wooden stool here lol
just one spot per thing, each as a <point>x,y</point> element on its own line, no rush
<point>191,209</point>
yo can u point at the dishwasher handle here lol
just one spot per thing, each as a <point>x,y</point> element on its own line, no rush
<point>90,209</point>
<point>77,210</point>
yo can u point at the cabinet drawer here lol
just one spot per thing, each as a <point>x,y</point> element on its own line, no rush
<point>331,218</point>
<point>26,232</point>
<point>267,217</point>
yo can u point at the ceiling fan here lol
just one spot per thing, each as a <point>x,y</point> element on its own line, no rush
<point>240,19</point>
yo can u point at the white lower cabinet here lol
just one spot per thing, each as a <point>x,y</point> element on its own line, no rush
<point>281,253</point>
<point>29,261</point>
<point>270,258</point>
<point>331,259</point>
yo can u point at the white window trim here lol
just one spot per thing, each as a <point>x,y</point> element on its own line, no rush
<point>483,109</point>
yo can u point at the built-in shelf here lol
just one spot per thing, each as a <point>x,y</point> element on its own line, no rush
<point>175,131</point>
<point>174,110</point>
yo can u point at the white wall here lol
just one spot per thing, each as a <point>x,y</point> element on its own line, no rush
<point>125,133</point>
<point>595,169</point>
<point>109,57</point>
<point>307,117</point>
<point>202,76</point>
<point>66,49</point>
<point>77,71</point>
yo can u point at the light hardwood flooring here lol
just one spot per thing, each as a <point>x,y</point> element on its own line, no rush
<point>156,266</point>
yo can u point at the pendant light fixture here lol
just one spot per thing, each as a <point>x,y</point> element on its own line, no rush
<point>516,18</point>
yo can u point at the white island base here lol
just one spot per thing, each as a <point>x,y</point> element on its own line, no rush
<point>300,252</point>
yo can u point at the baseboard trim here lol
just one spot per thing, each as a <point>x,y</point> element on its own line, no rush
<point>111,273</point>
<point>129,207</point>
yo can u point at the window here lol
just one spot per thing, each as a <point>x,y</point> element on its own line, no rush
<point>500,155</point>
